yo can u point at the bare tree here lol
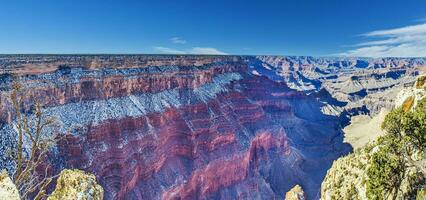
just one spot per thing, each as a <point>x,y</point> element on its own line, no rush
<point>32,147</point>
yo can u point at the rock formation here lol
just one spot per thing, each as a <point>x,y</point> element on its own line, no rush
<point>408,97</point>
<point>8,190</point>
<point>76,184</point>
<point>347,177</point>
<point>208,127</point>
<point>71,185</point>
<point>296,193</point>
<point>362,86</point>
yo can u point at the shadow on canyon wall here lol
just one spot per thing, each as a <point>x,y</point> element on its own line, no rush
<point>209,132</point>
<point>252,138</point>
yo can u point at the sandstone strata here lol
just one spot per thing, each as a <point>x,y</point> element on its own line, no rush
<point>176,127</point>
<point>361,86</point>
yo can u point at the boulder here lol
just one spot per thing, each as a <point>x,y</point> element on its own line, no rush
<point>296,193</point>
<point>76,184</point>
<point>8,190</point>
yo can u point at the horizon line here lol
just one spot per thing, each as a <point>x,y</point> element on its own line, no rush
<point>187,55</point>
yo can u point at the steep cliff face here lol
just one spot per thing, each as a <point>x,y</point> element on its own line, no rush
<point>232,139</point>
<point>175,132</point>
<point>348,176</point>
<point>182,127</point>
<point>361,85</point>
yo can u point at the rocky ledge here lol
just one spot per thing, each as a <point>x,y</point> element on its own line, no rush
<point>348,176</point>
<point>8,190</point>
<point>76,184</point>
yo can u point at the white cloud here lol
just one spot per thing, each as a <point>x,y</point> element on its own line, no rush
<point>409,41</point>
<point>167,50</point>
<point>206,50</point>
<point>408,30</point>
<point>178,40</point>
<point>193,50</point>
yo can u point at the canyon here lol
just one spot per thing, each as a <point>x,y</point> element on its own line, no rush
<point>200,127</point>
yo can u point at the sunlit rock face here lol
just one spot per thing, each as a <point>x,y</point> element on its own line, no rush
<point>8,190</point>
<point>182,132</point>
<point>76,184</point>
<point>182,127</point>
<point>347,86</point>
<point>296,193</point>
<point>238,136</point>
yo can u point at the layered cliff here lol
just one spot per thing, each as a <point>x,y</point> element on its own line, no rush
<point>188,127</point>
<point>360,85</point>
<point>175,132</point>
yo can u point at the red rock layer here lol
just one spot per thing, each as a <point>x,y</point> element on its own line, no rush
<point>89,88</point>
<point>191,152</point>
<point>223,173</point>
<point>36,64</point>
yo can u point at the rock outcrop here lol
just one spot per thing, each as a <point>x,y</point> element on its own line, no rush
<point>296,193</point>
<point>8,190</point>
<point>347,177</point>
<point>76,184</point>
<point>408,97</point>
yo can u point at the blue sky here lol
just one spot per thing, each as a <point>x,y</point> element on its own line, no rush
<point>267,27</point>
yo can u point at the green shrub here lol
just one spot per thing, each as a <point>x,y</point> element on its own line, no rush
<point>393,122</point>
<point>414,125</point>
<point>386,170</point>
<point>405,130</point>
